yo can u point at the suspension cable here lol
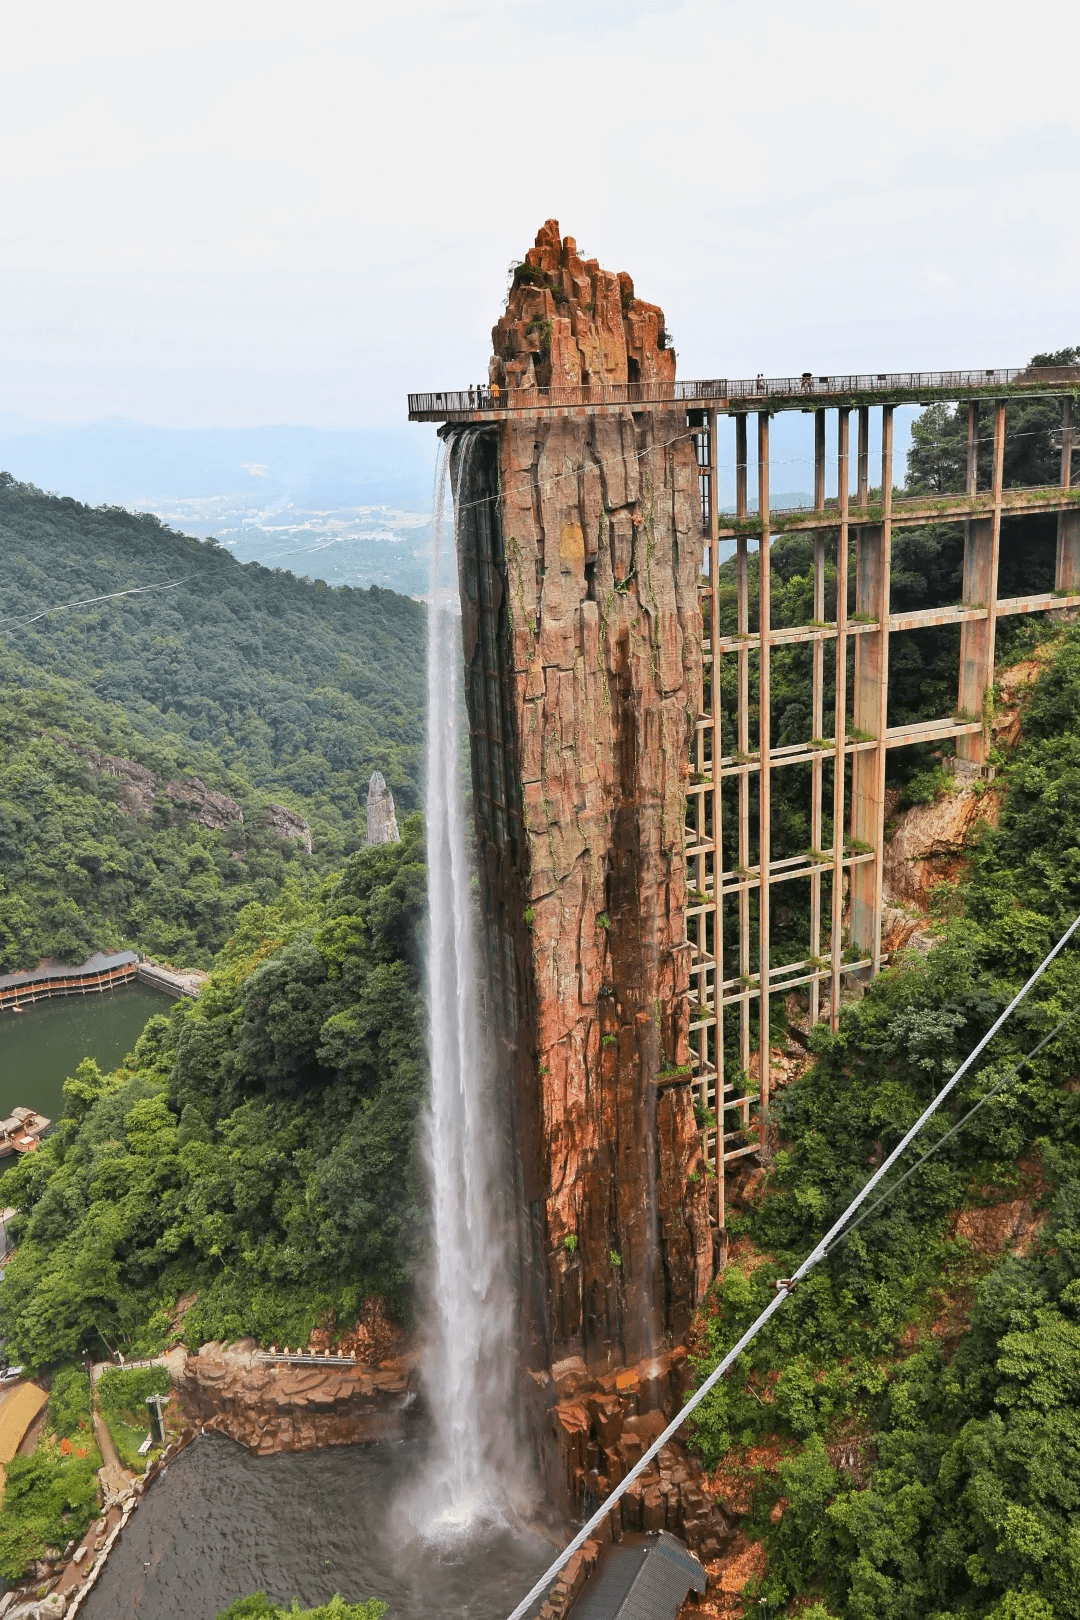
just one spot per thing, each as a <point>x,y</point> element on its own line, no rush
<point>89,601</point>
<point>784,1289</point>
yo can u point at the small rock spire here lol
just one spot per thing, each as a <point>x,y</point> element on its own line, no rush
<point>382,827</point>
<point>568,323</point>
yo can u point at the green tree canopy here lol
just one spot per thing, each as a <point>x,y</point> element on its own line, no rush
<point>258,1146</point>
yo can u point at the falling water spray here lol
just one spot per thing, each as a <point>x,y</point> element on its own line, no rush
<point>469,1360</point>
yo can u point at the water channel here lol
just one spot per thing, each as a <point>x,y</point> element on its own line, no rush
<point>220,1523</point>
<point>46,1042</point>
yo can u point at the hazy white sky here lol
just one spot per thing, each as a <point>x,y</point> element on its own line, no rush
<point>225,212</point>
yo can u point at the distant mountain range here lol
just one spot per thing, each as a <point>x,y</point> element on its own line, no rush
<point>350,507</point>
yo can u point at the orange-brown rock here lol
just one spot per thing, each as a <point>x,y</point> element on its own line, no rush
<point>596,1429</point>
<point>575,1572</point>
<point>1014,686</point>
<point>373,1338</point>
<point>580,544</point>
<point>930,840</point>
<point>267,1406</point>
<point>568,324</point>
<point>727,1576</point>
<point>994,1228</point>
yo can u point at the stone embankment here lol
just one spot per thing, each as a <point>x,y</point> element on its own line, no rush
<point>267,1404</point>
<point>272,1406</point>
<point>60,1581</point>
<point>167,979</point>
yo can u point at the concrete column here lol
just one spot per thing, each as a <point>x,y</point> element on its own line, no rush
<point>1067,567</point>
<point>982,544</point>
<point>819,461</point>
<point>718,853</point>
<point>840,720</point>
<point>975,633</point>
<point>878,838</point>
<point>817,720</point>
<point>869,584</point>
<point>764,792</point>
<point>862,493</point>
<point>742,625</point>
<point>871,713</point>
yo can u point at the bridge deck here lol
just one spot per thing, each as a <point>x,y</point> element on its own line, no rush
<point>731,396</point>
<point>734,873</point>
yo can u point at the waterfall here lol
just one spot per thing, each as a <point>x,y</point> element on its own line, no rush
<point>469,1360</point>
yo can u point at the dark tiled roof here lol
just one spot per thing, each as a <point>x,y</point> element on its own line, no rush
<point>608,1587</point>
<point>645,1581</point>
<point>100,962</point>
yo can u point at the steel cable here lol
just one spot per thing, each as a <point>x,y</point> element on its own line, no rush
<point>785,1289</point>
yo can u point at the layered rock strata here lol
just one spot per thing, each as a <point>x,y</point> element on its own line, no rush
<point>594,1431</point>
<point>580,549</point>
<point>269,1407</point>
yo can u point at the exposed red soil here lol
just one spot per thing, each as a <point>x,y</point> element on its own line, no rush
<point>727,1577</point>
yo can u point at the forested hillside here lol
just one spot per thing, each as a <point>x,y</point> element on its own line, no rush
<point>258,1149</point>
<point>909,1428</point>
<point>266,687</point>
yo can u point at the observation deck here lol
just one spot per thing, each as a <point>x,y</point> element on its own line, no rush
<point>728,396</point>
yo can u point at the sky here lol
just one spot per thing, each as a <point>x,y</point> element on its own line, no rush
<point>226,214</point>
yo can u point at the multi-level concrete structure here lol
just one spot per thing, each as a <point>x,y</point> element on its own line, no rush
<point>634,967</point>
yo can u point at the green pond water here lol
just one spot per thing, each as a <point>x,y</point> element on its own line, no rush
<point>42,1045</point>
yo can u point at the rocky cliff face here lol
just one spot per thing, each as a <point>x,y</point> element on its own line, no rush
<point>139,789</point>
<point>204,805</point>
<point>928,843</point>
<point>580,553</point>
<point>286,824</point>
<point>382,827</point>
<point>595,1429</point>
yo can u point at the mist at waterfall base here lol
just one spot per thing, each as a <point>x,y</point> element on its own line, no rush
<point>475,1479</point>
<point>220,1522</point>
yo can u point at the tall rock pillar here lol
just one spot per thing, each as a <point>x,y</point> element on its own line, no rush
<point>580,558</point>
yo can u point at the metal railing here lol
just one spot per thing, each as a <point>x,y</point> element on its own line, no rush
<point>723,390</point>
<point>531,399</point>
